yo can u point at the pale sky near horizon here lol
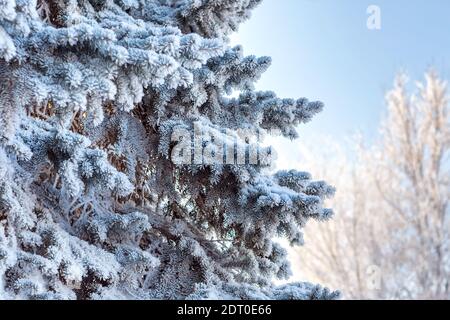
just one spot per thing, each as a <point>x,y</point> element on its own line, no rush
<point>323,50</point>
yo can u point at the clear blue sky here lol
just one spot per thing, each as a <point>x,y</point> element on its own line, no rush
<point>322,49</point>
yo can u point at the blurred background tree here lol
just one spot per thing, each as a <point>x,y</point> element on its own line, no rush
<point>390,238</point>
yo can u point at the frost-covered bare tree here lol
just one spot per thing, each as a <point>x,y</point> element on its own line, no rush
<point>414,182</point>
<point>92,205</point>
<point>346,251</point>
<point>391,235</point>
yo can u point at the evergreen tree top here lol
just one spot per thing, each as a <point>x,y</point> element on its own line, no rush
<point>93,205</point>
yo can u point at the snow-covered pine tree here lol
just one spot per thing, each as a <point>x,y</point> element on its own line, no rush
<point>91,204</point>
